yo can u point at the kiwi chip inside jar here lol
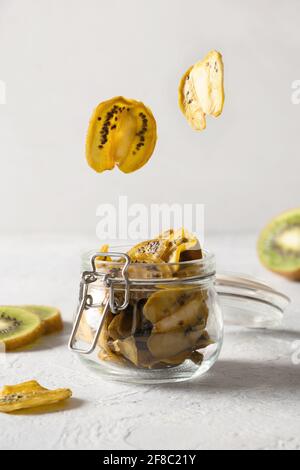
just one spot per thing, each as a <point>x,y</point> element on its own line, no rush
<point>201,90</point>
<point>122,133</point>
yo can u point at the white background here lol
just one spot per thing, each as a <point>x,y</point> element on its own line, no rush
<point>59,58</point>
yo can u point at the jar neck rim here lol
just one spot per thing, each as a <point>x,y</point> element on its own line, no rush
<point>208,258</point>
<point>203,269</point>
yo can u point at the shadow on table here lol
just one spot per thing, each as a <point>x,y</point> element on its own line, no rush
<point>69,405</point>
<point>231,376</point>
<point>50,341</point>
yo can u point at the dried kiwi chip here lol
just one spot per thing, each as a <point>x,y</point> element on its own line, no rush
<point>201,90</point>
<point>176,308</point>
<point>29,395</point>
<point>122,132</point>
<point>166,345</point>
<point>181,242</point>
<point>150,251</point>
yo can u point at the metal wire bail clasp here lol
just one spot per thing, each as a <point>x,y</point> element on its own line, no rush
<point>86,299</point>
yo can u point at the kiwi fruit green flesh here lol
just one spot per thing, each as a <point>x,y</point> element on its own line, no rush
<point>49,316</point>
<point>18,327</point>
<point>279,245</point>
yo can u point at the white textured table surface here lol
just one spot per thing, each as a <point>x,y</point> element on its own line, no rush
<point>250,399</point>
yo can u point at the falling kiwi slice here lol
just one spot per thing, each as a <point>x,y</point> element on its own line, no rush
<point>201,90</point>
<point>279,245</point>
<point>18,327</point>
<point>49,316</point>
<point>122,132</point>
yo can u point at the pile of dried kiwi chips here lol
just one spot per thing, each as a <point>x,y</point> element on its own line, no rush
<point>162,326</point>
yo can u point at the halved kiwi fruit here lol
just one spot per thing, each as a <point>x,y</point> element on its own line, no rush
<point>18,327</point>
<point>49,316</point>
<point>279,245</point>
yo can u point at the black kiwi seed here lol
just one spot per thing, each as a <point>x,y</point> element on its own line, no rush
<point>14,323</point>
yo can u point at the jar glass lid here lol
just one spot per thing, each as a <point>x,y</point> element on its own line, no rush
<point>248,302</point>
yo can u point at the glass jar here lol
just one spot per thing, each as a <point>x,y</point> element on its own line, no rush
<point>156,323</point>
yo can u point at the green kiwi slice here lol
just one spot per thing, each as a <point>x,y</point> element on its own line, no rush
<point>279,245</point>
<point>49,316</point>
<point>18,327</point>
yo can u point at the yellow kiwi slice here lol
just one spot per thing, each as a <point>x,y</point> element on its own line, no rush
<point>127,348</point>
<point>176,308</point>
<point>181,242</point>
<point>122,132</point>
<point>150,251</point>
<point>165,345</point>
<point>201,90</point>
<point>18,327</point>
<point>49,316</point>
<point>170,246</point>
<point>29,395</point>
<point>104,249</point>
